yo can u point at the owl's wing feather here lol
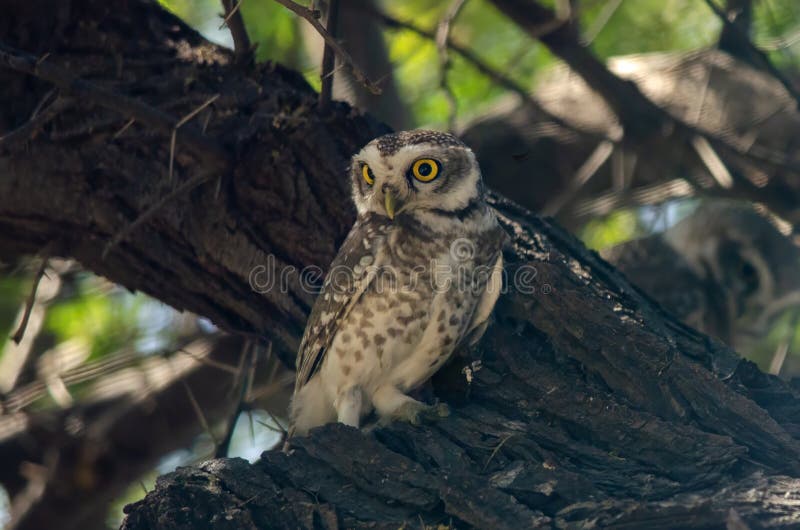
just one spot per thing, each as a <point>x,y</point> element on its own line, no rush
<point>489,253</point>
<point>348,277</point>
<point>485,305</point>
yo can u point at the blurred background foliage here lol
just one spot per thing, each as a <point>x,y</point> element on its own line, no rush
<point>106,319</point>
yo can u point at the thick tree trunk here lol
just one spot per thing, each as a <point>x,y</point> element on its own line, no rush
<point>592,405</point>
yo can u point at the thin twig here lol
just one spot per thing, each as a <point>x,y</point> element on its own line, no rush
<point>484,68</point>
<point>760,55</point>
<point>445,63</point>
<point>242,49</point>
<point>201,146</point>
<point>30,128</point>
<point>222,448</point>
<point>26,315</point>
<point>181,123</point>
<point>124,128</point>
<point>780,43</point>
<point>155,208</point>
<point>51,94</point>
<point>600,21</point>
<point>210,362</point>
<point>328,56</point>
<point>251,372</point>
<point>199,412</point>
<point>313,18</point>
<point>279,429</point>
<point>587,170</point>
<point>497,448</point>
<point>783,348</point>
<point>714,164</point>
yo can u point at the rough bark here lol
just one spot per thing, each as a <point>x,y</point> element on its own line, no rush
<point>592,406</point>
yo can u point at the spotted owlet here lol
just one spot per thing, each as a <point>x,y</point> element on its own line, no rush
<point>417,277</point>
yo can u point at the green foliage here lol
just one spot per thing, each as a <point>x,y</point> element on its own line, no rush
<point>479,27</point>
<point>134,492</point>
<point>277,32</point>
<point>633,27</point>
<point>617,227</point>
<point>764,349</point>
<point>775,23</point>
<point>109,319</point>
<point>651,25</point>
<point>96,319</point>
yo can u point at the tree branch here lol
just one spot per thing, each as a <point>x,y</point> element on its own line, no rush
<point>754,55</point>
<point>328,56</point>
<point>202,146</point>
<point>26,313</point>
<point>313,18</point>
<point>484,68</point>
<point>586,387</point>
<point>640,118</point>
<point>442,38</point>
<point>243,49</point>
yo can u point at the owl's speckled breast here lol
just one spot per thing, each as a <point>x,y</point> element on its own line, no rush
<point>411,315</point>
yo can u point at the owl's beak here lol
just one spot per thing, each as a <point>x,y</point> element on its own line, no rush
<point>390,202</point>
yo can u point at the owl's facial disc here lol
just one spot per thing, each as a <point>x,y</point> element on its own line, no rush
<point>414,170</point>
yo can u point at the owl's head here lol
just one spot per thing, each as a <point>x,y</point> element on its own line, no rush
<point>413,171</point>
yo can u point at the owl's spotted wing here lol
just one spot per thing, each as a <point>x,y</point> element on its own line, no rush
<point>351,272</point>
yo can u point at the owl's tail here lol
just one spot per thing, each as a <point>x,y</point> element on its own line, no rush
<point>310,408</point>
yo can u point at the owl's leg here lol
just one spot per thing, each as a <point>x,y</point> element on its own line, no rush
<point>348,406</point>
<point>310,407</point>
<point>392,404</point>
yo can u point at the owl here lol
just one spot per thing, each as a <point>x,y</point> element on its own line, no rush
<point>725,270</point>
<point>416,278</point>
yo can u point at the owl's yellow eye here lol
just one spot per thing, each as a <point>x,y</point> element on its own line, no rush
<point>366,172</point>
<point>425,169</point>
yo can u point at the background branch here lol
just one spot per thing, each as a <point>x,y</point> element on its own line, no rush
<point>442,38</point>
<point>328,56</point>
<point>243,49</point>
<point>737,29</point>
<point>523,93</point>
<point>313,18</point>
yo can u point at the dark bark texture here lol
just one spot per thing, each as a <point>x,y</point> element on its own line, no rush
<point>592,406</point>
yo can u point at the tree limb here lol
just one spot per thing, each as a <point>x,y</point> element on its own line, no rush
<point>243,50</point>
<point>313,18</point>
<point>328,57</point>
<point>499,78</point>
<point>199,144</point>
<point>734,30</point>
<point>639,116</point>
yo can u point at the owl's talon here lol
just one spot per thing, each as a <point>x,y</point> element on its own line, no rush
<point>417,413</point>
<point>442,410</point>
